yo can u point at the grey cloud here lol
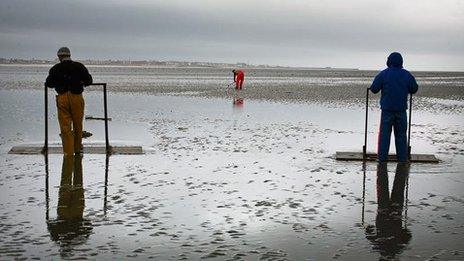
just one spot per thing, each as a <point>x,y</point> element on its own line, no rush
<point>234,30</point>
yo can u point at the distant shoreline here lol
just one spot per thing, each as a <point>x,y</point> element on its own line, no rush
<point>164,64</point>
<point>192,65</point>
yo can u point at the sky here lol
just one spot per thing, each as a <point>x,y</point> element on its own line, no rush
<point>302,33</point>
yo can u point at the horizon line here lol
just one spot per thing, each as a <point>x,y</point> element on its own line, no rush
<point>123,62</point>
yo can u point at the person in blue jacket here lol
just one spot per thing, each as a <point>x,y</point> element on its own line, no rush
<point>395,83</point>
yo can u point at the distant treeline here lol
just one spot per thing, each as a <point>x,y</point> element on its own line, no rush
<point>133,63</point>
<point>156,63</point>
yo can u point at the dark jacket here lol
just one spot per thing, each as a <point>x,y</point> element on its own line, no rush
<point>68,76</point>
<point>395,83</point>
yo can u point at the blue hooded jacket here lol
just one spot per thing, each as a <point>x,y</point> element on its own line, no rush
<point>395,83</point>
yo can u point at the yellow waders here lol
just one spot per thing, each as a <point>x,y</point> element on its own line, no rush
<point>70,116</point>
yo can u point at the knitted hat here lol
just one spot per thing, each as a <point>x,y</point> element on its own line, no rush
<point>64,51</point>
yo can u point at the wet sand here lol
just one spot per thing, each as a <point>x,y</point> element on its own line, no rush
<point>438,90</point>
<point>250,180</point>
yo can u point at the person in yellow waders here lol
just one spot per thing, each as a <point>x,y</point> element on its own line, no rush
<point>68,78</point>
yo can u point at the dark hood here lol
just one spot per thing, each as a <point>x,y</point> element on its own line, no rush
<point>395,60</point>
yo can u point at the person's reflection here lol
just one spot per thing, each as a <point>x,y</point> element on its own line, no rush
<point>388,236</point>
<point>70,228</point>
<point>238,102</point>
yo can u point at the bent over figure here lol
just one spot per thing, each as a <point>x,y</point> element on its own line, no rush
<point>239,77</point>
<point>69,78</point>
<point>395,83</point>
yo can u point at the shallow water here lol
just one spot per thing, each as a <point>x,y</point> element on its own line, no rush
<point>253,180</point>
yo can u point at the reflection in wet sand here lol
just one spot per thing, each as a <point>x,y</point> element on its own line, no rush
<point>70,228</point>
<point>388,236</point>
<point>105,196</point>
<point>238,102</point>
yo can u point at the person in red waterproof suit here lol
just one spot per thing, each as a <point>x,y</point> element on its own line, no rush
<point>239,77</point>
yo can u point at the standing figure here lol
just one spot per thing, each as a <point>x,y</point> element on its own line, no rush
<point>239,77</point>
<point>68,78</point>
<point>395,83</point>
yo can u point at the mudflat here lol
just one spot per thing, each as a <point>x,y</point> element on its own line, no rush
<point>232,174</point>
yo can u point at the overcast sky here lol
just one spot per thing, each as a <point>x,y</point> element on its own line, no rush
<point>336,33</point>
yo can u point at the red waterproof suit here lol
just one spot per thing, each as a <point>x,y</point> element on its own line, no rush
<point>239,77</point>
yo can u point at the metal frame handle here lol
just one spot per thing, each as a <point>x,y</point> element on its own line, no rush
<point>409,127</point>
<point>365,125</point>
<point>45,147</point>
<point>105,106</point>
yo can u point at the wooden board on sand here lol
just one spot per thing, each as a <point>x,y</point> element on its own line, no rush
<point>358,156</point>
<point>93,149</point>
